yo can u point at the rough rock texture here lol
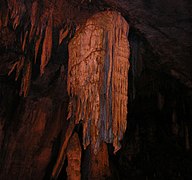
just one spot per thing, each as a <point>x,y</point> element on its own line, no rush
<point>99,164</point>
<point>158,140</point>
<point>166,26</point>
<point>98,79</point>
<point>29,139</point>
<point>74,158</point>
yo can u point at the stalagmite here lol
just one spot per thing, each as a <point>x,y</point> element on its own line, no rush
<point>98,79</point>
<point>99,170</point>
<point>62,154</point>
<point>74,158</point>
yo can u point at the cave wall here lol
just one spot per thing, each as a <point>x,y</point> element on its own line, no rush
<point>157,143</point>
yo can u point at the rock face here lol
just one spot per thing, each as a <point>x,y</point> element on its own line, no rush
<point>34,37</point>
<point>98,79</point>
<point>99,164</point>
<point>166,26</point>
<point>74,158</point>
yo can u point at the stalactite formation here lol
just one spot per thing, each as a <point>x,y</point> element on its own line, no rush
<point>98,79</point>
<point>36,33</point>
<point>37,40</point>
<point>17,10</point>
<point>26,81</point>
<point>47,44</point>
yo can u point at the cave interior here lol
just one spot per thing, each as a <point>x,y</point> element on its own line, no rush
<point>157,143</point>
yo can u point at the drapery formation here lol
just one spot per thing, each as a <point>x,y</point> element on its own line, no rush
<point>98,79</point>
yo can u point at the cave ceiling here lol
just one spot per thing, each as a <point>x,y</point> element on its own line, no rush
<point>34,39</point>
<point>164,25</point>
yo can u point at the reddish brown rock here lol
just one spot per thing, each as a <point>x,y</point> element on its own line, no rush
<point>74,158</point>
<point>29,127</point>
<point>99,164</point>
<point>98,78</point>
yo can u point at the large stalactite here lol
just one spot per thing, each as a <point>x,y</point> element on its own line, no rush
<point>98,79</point>
<point>98,82</point>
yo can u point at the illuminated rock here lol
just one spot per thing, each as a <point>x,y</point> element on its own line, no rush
<point>98,79</point>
